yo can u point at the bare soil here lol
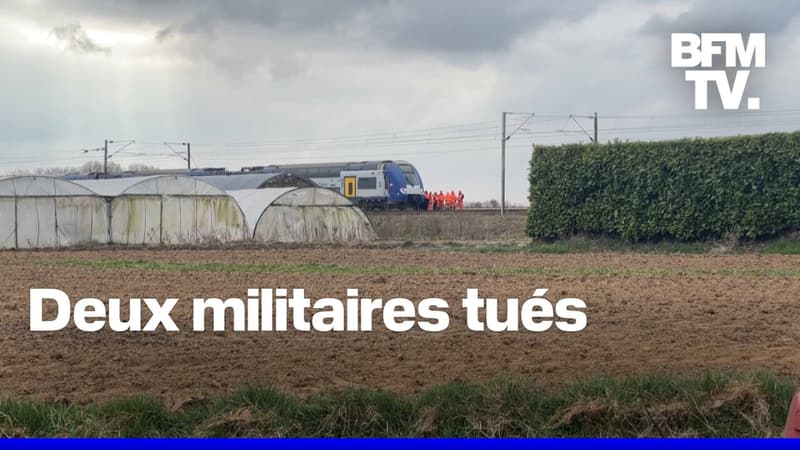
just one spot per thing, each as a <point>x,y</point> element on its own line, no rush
<point>638,323</point>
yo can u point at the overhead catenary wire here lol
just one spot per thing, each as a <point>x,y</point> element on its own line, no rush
<point>483,137</point>
<point>572,117</point>
<point>429,139</point>
<point>528,119</point>
<point>443,139</point>
<point>554,132</point>
<point>696,114</point>
<point>462,133</point>
<point>392,135</point>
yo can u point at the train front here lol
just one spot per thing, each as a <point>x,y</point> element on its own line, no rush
<point>413,189</point>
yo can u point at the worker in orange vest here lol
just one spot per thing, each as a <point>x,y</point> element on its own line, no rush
<point>428,201</point>
<point>460,200</point>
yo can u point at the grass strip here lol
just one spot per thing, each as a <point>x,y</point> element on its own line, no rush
<point>709,405</point>
<point>780,246</point>
<point>336,269</point>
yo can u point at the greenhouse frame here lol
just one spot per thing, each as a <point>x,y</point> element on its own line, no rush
<point>169,210</point>
<point>47,212</point>
<point>302,215</point>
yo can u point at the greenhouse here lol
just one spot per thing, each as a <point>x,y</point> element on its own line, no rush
<point>44,212</point>
<point>303,215</point>
<point>169,209</point>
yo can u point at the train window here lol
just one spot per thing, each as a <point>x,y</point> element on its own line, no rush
<point>411,176</point>
<point>367,183</point>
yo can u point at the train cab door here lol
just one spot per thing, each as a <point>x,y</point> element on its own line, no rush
<point>350,189</point>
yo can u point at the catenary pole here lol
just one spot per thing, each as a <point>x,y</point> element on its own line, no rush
<point>503,167</point>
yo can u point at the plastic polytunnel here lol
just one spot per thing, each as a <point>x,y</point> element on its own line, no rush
<point>169,209</point>
<point>42,212</point>
<point>306,215</point>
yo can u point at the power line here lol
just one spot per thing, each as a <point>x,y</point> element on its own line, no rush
<point>389,135</point>
<point>384,148</point>
<point>437,139</point>
<point>503,141</point>
<point>188,157</point>
<point>695,115</point>
<point>444,139</point>
<point>572,117</point>
<point>421,137</point>
<point>519,127</point>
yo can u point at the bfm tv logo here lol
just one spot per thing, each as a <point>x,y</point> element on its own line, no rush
<point>693,50</point>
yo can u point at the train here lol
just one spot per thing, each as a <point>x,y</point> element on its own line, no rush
<point>388,184</point>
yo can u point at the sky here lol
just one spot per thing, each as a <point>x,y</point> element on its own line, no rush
<point>251,82</point>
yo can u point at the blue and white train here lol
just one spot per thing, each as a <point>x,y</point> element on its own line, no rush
<point>370,184</point>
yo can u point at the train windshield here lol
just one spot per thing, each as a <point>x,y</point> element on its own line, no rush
<point>410,173</point>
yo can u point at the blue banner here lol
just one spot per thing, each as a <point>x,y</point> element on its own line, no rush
<point>400,444</point>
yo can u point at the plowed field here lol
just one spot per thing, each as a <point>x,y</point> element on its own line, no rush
<point>675,313</point>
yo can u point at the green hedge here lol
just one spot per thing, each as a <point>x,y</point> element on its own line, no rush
<point>689,189</point>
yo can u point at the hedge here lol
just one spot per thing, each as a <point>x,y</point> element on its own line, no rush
<point>689,189</point>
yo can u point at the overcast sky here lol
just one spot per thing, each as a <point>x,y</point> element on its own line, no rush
<point>254,82</point>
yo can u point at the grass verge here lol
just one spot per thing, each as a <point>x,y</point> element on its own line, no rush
<point>581,245</point>
<point>783,246</point>
<point>787,245</point>
<point>335,269</point>
<point>713,404</point>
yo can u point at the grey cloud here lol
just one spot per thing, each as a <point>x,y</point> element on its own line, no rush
<point>439,26</point>
<point>242,37</point>
<point>76,39</point>
<point>449,28</point>
<point>738,16</point>
<point>456,31</point>
<point>164,34</point>
<point>317,69</point>
<point>465,27</point>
